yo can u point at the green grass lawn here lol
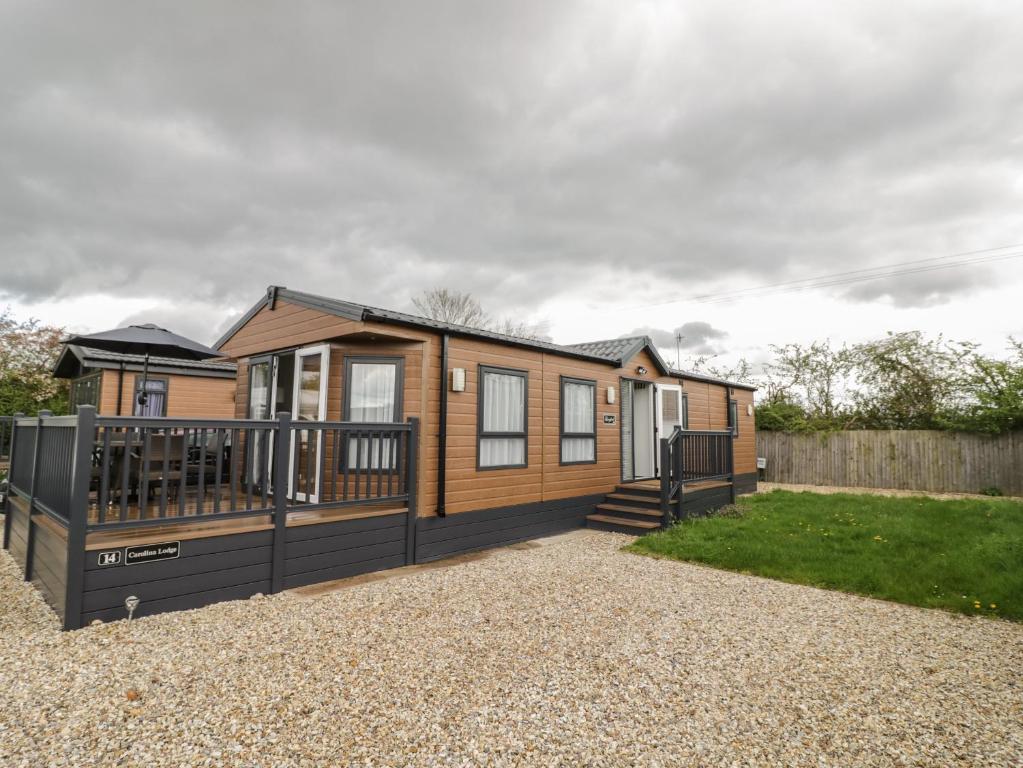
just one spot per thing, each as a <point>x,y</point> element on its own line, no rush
<point>964,555</point>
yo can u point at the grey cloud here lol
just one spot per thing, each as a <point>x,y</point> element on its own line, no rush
<point>516,150</point>
<point>698,337</point>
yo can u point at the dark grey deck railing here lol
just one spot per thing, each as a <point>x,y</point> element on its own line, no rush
<point>693,456</point>
<point>156,471</point>
<point>6,430</point>
<point>92,474</point>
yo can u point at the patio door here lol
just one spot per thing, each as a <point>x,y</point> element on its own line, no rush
<point>668,415</point>
<point>312,366</point>
<point>261,386</point>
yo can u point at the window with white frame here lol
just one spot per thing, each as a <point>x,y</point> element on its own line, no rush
<point>578,421</point>
<point>501,419</point>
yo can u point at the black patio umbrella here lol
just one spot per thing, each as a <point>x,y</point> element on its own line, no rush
<point>145,340</point>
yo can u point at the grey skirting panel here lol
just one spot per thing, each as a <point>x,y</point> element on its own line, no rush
<point>206,571</point>
<point>328,551</point>
<point>695,503</point>
<point>438,537</point>
<point>49,553</point>
<point>17,529</point>
<point>49,567</point>
<point>746,483</point>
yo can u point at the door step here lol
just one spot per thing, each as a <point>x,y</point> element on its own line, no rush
<point>629,509</point>
<point>620,524</point>
<point>631,498</point>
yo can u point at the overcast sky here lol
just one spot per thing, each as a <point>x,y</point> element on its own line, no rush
<point>581,163</point>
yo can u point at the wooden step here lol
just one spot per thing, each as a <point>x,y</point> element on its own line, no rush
<point>620,524</point>
<point>645,511</point>
<point>631,490</point>
<point>629,497</point>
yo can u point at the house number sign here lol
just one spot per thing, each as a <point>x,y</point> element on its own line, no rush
<point>145,553</point>
<point>609,418</point>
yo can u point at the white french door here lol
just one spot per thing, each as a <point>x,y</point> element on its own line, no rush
<point>312,366</point>
<point>667,415</point>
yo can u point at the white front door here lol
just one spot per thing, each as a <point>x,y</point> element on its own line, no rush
<point>668,414</point>
<point>312,365</point>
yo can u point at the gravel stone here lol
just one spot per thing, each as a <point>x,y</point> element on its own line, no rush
<point>567,652</point>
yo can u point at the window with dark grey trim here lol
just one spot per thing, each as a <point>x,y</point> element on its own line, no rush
<point>156,397</point>
<point>501,418</point>
<point>373,392</point>
<point>684,421</point>
<point>733,417</point>
<point>85,390</point>
<point>578,421</point>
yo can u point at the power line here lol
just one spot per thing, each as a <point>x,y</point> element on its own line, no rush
<point>850,276</point>
<point>863,278</point>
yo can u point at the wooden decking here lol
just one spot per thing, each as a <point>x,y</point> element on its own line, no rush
<point>180,528</point>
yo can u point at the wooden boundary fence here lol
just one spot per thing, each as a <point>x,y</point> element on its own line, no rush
<point>921,460</point>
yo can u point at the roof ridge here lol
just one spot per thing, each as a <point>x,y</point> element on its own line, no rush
<point>422,318</point>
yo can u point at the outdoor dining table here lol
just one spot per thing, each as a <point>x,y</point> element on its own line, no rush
<point>119,447</point>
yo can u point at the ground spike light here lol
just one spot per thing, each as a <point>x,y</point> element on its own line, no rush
<point>131,603</point>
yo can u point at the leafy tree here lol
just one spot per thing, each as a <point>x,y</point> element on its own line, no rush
<point>783,416</point>
<point>906,381</point>
<point>995,389</point>
<point>741,372</point>
<point>28,350</point>
<point>815,377</point>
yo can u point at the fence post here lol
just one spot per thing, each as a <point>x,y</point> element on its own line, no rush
<point>412,489</point>
<point>33,486</point>
<point>78,515</point>
<point>282,452</point>
<point>665,465</point>
<point>731,469</point>
<point>679,469</point>
<point>10,477</point>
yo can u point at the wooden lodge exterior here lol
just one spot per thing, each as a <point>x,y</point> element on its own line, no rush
<point>110,381</point>
<point>357,440</point>
<point>461,504</point>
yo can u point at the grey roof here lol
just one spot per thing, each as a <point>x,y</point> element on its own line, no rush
<point>363,312</point>
<point>616,349</point>
<point>91,353</point>
<point>89,357</point>
<point>614,352</point>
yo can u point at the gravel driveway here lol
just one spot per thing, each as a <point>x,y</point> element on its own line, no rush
<point>565,652</point>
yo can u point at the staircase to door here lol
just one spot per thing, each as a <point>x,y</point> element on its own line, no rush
<point>696,475</point>
<point>632,508</point>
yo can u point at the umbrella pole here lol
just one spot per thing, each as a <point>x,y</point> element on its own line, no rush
<point>143,394</point>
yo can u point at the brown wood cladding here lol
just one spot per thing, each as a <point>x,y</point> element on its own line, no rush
<point>287,325</point>
<point>195,397</point>
<point>544,479</point>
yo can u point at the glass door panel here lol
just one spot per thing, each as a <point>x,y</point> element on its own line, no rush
<point>310,404</point>
<point>260,382</point>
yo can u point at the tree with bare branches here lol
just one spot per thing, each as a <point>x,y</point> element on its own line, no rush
<point>465,309</point>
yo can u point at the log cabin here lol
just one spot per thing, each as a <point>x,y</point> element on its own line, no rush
<point>519,437</point>
<point>111,381</point>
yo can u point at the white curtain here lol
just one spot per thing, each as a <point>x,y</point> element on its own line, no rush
<point>578,416</point>
<point>156,398</point>
<point>372,390</point>
<point>504,410</point>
